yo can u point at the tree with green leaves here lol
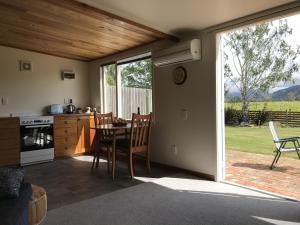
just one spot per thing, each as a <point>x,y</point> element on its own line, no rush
<point>135,74</point>
<point>257,58</point>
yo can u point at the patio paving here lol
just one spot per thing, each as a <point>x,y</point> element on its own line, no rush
<point>253,170</point>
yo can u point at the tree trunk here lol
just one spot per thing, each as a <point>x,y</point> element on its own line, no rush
<point>245,115</point>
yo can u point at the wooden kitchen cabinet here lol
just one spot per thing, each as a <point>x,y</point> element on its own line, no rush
<point>83,134</point>
<point>9,141</point>
<point>71,135</point>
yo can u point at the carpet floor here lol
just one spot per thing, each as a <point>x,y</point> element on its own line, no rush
<point>179,200</point>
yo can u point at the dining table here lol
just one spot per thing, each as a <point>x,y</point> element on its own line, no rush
<point>112,131</point>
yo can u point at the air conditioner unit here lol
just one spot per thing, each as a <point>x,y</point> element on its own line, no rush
<point>180,53</point>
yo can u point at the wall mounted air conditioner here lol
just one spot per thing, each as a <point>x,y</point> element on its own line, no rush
<point>180,53</point>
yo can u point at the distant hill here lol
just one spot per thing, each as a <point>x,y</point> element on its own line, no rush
<point>235,95</point>
<point>283,93</point>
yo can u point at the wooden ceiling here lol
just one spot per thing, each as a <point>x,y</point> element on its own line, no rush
<point>69,29</point>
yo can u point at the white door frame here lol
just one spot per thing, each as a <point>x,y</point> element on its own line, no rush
<point>220,173</point>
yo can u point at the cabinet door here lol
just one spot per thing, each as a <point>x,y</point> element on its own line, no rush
<point>83,131</point>
<point>9,141</point>
<point>93,143</point>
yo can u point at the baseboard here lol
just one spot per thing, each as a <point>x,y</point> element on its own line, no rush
<point>181,170</point>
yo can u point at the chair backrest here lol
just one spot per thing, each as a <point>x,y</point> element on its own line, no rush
<point>140,132</point>
<point>102,119</point>
<point>274,134</point>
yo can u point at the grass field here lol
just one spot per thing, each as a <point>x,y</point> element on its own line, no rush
<point>256,139</point>
<point>271,106</point>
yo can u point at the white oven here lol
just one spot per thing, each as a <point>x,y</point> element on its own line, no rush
<point>36,139</point>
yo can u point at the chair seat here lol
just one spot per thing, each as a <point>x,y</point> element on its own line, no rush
<point>123,143</point>
<point>288,150</point>
<point>106,142</point>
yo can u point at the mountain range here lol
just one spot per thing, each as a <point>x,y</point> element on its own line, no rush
<point>280,95</point>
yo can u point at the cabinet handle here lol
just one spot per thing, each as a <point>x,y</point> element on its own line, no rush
<point>66,122</point>
<point>66,139</point>
<point>66,148</point>
<point>66,131</point>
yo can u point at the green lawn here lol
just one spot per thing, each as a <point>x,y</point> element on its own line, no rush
<point>256,139</point>
<point>294,106</point>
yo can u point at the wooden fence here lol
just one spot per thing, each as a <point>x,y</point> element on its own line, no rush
<point>288,117</point>
<point>131,99</point>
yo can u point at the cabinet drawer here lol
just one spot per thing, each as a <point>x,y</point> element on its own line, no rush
<point>67,140</point>
<point>65,131</point>
<point>65,123</point>
<point>64,150</point>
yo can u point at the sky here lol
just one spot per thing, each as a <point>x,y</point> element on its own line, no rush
<point>293,40</point>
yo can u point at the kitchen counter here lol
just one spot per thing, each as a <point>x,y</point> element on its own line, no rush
<point>75,114</point>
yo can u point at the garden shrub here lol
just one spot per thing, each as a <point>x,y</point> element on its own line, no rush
<point>232,116</point>
<point>262,117</point>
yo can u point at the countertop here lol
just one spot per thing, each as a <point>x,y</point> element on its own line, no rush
<point>74,114</point>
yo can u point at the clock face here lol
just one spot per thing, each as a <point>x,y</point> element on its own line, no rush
<point>179,75</point>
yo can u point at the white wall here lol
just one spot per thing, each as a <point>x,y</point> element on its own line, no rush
<point>33,91</point>
<point>194,138</point>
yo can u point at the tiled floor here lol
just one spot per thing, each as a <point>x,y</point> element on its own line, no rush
<point>70,180</point>
<point>253,170</point>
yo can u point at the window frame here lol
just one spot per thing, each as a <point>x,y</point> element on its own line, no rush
<point>117,63</point>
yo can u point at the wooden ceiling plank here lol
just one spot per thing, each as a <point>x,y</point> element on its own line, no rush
<point>111,18</point>
<point>70,29</point>
<point>21,38</point>
<point>69,17</point>
<point>21,35</point>
<point>18,23</point>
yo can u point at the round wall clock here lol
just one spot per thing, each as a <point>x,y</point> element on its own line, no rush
<point>179,75</point>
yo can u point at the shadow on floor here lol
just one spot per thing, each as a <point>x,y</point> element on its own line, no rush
<point>70,180</point>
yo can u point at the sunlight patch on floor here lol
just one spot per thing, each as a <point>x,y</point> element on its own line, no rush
<point>276,222</point>
<point>183,183</point>
<point>87,158</point>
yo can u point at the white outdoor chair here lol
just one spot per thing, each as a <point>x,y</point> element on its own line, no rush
<point>280,144</point>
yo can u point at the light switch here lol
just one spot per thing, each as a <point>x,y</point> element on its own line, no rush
<point>4,101</point>
<point>184,114</point>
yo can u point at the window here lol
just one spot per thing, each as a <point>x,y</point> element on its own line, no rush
<point>127,86</point>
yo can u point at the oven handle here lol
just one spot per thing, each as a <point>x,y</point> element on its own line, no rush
<point>37,126</point>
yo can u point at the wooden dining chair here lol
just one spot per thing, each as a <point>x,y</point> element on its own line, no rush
<point>138,141</point>
<point>103,138</point>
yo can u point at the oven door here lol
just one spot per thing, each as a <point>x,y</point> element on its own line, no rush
<point>36,137</point>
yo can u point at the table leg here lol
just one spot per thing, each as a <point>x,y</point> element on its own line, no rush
<point>97,150</point>
<point>114,155</point>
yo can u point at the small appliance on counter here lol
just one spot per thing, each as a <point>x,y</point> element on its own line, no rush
<point>56,109</point>
<point>70,108</point>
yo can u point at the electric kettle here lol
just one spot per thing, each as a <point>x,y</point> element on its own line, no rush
<point>70,108</point>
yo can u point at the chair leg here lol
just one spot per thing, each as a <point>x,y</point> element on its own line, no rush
<point>148,163</point>
<point>275,160</point>
<point>130,165</point>
<point>98,159</point>
<point>94,159</point>
<point>108,159</point>
<point>278,158</point>
<point>298,153</point>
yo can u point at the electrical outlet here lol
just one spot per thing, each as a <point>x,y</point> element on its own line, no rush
<point>66,101</point>
<point>174,149</point>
